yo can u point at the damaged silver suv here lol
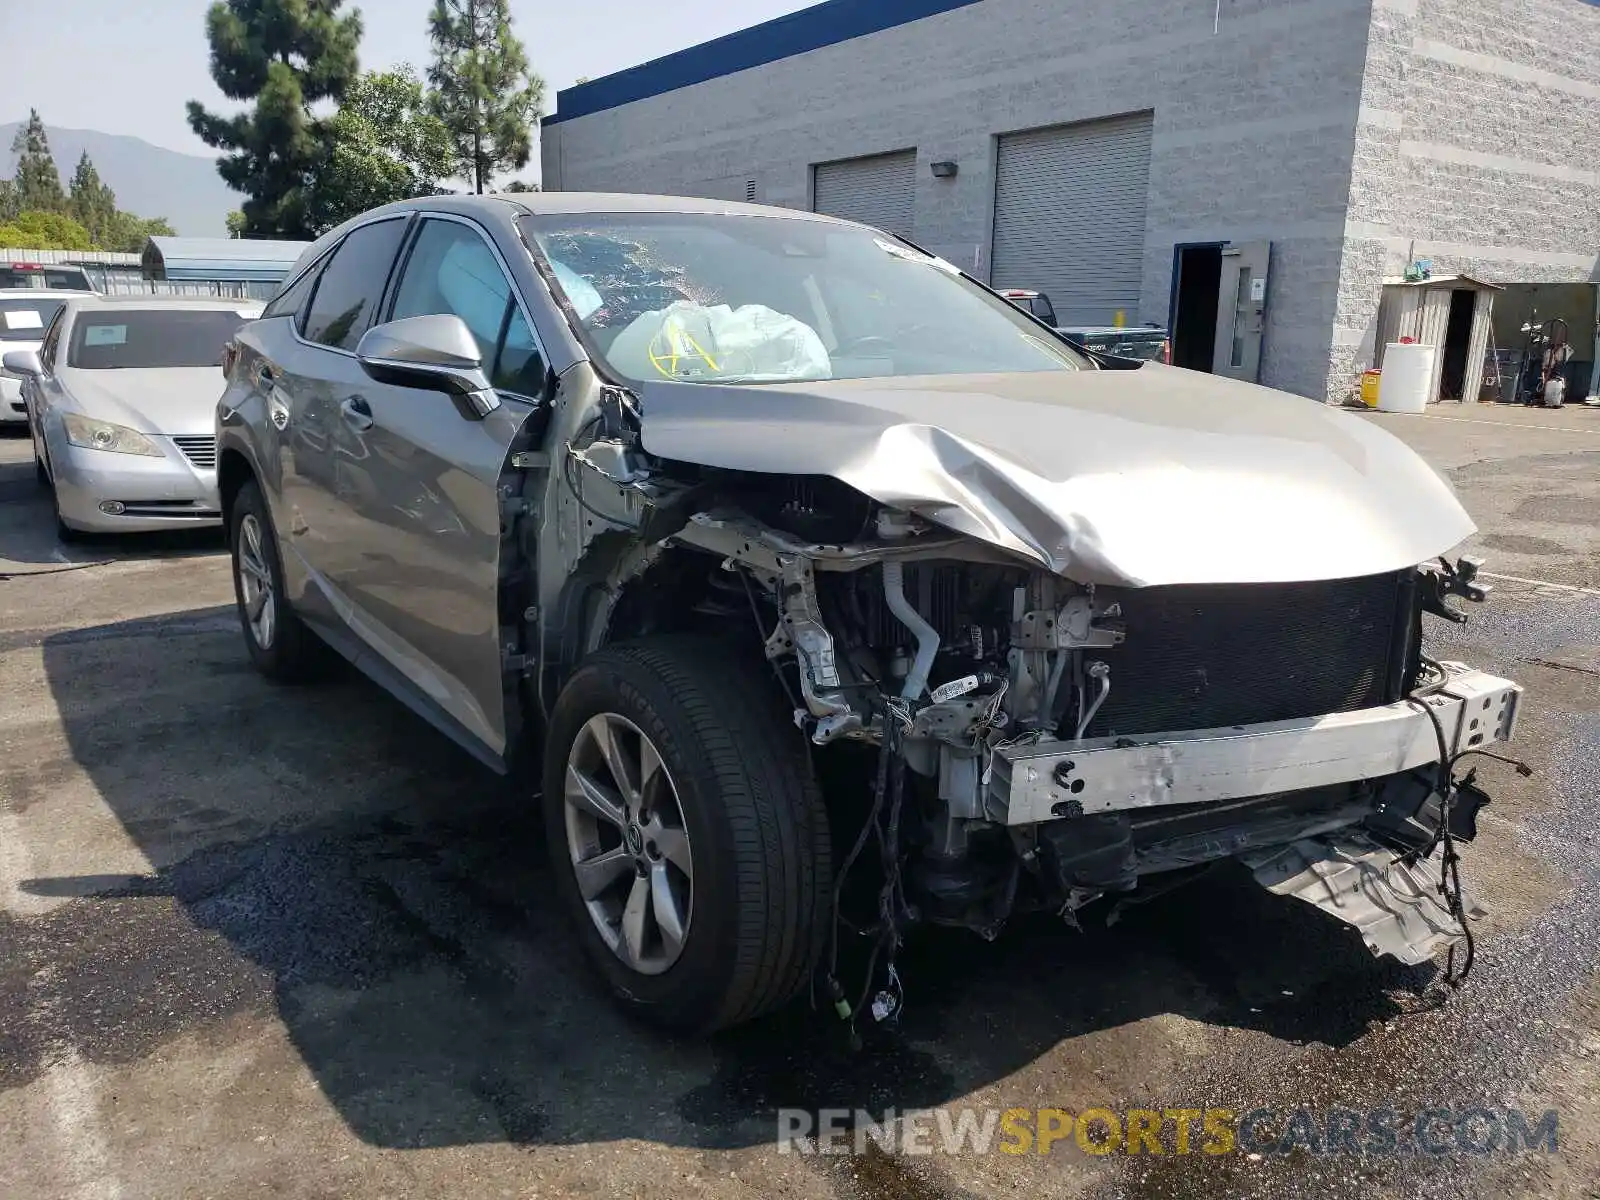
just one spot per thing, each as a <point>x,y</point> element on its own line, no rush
<point>829,591</point>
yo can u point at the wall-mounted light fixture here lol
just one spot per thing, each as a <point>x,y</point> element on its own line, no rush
<point>944,169</point>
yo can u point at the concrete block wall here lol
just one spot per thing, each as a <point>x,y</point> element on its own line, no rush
<point>1252,139</point>
<point>1478,146</point>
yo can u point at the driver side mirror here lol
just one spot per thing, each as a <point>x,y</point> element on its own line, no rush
<point>437,353</point>
<point>24,363</point>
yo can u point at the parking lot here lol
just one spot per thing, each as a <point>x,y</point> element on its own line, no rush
<point>256,941</point>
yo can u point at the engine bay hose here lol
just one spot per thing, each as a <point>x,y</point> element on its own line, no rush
<point>894,595</point>
<point>1102,672</point>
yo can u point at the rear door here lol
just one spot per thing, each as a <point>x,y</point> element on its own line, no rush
<point>1241,311</point>
<point>421,515</point>
<point>308,373</point>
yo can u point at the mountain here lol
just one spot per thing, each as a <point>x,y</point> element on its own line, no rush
<point>149,181</point>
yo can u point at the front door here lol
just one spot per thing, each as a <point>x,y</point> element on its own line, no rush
<point>1241,311</point>
<point>426,522</point>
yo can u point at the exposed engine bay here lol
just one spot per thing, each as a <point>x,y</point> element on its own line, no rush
<point>1020,742</point>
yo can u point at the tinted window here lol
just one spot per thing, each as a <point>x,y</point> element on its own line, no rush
<point>352,283</point>
<point>26,320</point>
<point>70,278</point>
<point>292,298</point>
<point>123,338</point>
<point>451,269</point>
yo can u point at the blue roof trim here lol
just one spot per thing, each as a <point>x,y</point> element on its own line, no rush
<point>238,272</point>
<point>797,33</point>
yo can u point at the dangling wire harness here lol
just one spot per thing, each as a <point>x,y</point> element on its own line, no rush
<point>1450,861</point>
<point>889,790</point>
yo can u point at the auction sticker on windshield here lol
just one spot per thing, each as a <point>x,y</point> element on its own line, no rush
<point>105,335</point>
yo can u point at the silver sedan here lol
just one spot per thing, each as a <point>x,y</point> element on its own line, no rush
<point>25,313</point>
<point>120,398</point>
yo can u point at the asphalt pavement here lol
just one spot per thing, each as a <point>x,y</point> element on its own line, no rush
<point>258,941</point>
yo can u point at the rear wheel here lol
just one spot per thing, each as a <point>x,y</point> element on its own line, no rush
<point>686,832</point>
<point>281,646</point>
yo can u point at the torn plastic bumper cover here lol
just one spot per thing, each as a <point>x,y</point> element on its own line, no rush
<point>1394,904</point>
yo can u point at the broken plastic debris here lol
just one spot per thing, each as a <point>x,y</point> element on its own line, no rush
<point>916,256</point>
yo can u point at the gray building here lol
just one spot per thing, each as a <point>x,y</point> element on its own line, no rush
<point>1250,170</point>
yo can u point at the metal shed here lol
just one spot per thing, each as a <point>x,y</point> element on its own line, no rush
<point>1452,313</point>
<point>256,264</point>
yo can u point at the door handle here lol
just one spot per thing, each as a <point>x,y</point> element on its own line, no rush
<point>357,413</point>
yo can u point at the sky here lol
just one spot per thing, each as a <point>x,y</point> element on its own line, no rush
<point>129,68</point>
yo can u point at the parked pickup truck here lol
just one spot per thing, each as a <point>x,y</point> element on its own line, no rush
<point>824,592</point>
<point>1146,342</point>
<point>43,275</point>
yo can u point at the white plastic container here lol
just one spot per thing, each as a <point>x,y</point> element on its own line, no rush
<point>1407,378</point>
<point>1555,392</point>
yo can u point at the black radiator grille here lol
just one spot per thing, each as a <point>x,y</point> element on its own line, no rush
<point>1209,656</point>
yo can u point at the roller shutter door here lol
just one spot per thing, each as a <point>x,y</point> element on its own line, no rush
<point>1069,216</point>
<point>876,191</point>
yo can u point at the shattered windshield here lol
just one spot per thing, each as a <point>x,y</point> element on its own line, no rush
<point>719,298</point>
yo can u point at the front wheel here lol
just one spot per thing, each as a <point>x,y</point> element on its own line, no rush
<point>65,534</point>
<point>281,646</point>
<point>687,834</point>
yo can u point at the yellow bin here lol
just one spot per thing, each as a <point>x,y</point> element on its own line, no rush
<point>1369,388</point>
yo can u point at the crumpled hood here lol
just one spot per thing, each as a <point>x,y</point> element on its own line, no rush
<point>160,400</point>
<point>1144,477</point>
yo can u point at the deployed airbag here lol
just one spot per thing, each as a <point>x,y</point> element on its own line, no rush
<point>689,342</point>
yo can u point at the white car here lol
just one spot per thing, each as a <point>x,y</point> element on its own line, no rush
<point>25,313</point>
<point>121,397</point>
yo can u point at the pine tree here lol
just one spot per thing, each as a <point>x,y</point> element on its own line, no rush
<point>37,181</point>
<point>386,146</point>
<point>285,56</point>
<point>482,88</point>
<point>91,203</point>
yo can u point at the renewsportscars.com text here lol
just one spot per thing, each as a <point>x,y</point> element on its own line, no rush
<point>1435,1131</point>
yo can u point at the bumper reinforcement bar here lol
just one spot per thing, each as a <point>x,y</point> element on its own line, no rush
<point>1052,779</point>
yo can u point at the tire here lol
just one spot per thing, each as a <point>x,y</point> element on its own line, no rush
<point>757,832</point>
<point>284,649</point>
<point>65,534</point>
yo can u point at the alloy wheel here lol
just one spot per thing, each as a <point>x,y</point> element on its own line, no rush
<point>255,582</point>
<point>627,843</point>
